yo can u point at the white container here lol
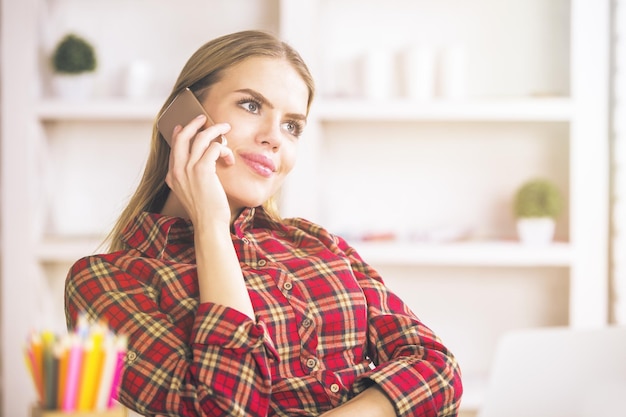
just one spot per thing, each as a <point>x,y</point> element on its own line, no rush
<point>379,72</point>
<point>418,73</point>
<point>74,87</point>
<point>138,80</point>
<point>453,73</point>
<point>342,78</point>
<point>536,231</point>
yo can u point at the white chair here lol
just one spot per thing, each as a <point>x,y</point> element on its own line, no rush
<point>558,372</point>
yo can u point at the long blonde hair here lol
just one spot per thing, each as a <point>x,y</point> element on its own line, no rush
<point>203,69</point>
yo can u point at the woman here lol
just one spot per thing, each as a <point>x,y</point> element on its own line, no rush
<point>231,311</point>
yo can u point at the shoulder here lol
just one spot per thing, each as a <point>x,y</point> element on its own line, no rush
<point>308,227</point>
<point>315,230</point>
<point>105,268</point>
<point>89,268</point>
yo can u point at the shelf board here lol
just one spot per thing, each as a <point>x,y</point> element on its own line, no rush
<point>103,109</point>
<point>466,253</point>
<point>67,249</point>
<point>336,110</point>
<point>470,253</point>
<point>553,109</point>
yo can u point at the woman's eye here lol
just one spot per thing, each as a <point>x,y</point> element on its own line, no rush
<point>294,128</point>
<point>250,105</point>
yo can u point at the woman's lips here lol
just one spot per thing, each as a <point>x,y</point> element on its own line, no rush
<point>259,163</point>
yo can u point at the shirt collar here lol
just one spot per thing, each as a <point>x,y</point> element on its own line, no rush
<point>152,233</point>
<point>159,236</point>
<point>254,218</point>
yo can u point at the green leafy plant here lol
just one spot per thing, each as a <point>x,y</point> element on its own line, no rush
<point>538,198</point>
<point>74,55</point>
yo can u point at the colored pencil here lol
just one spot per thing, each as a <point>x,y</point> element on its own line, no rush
<point>73,373</point>
<point>80,371</point>
<point>91,370</point>
<point>36,359</point>
<point>28,358</point>
<point>49,370</point>
<point>108,369</point>
<point>117,375</point>
<point>63,365</point>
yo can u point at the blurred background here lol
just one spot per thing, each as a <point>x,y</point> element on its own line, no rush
<point>428,119</point>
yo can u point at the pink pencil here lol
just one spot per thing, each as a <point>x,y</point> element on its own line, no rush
<point>73,373</point>
<point>121,343</point>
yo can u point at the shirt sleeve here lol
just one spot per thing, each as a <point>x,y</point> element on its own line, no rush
<point>415,370</point>
<point>220,369</point>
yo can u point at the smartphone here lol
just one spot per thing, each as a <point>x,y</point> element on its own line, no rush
<point>183,109</point>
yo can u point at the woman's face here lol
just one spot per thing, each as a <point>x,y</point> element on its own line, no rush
<point>265,102</point>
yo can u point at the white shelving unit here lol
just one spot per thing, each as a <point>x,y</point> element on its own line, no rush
<point>348,168</point>
<point>490,283</point>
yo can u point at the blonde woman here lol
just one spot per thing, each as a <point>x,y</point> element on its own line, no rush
<point>231,310</point>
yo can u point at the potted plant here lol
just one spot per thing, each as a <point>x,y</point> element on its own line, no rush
<point>73,64</point>
<point>537,205</point>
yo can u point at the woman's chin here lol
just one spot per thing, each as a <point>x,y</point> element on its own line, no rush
<point>248,202</point>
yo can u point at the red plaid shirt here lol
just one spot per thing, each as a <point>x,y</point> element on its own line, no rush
<point>326,327</point>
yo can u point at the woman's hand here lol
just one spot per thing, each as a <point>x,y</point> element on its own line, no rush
<point>192,174</point>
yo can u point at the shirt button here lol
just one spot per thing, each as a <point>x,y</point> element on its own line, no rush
<point>310,363</point>
<point>288,286</point>
<point>307,323</point>
<point>131,356</point>
<point>262,262</point>
<point>245,240</point>
<point>334,388</point>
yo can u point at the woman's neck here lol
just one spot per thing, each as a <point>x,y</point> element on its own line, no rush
<point>173,208</point>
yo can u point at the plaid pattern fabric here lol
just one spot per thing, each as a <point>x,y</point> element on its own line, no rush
<point>326,327</point>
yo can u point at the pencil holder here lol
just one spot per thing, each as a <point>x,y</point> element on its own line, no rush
<point>120,411</point>
<point>78,373</point>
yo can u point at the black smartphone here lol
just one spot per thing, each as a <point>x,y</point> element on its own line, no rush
<point>183,109</point>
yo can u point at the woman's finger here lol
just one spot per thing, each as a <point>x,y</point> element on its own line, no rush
<point>205,139</point>
<point>182,137</point>
<point>181,140</point>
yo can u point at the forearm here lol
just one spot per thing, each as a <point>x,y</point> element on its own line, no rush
<point>370,403</point>
<point>220,279</point>
<point>184,383</point>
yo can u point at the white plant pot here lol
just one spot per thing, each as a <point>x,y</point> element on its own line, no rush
<point>73,87</point>
<point>536,231</point>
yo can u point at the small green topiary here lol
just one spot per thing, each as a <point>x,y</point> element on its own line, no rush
<point>537,198</point>
<point>73,55</point>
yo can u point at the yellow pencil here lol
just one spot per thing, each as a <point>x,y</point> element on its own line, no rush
<point>92,365</point>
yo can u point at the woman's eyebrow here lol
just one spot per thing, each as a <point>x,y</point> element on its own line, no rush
<point>263,100</point>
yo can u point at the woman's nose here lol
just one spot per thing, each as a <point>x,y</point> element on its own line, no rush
<point>269,133</point>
